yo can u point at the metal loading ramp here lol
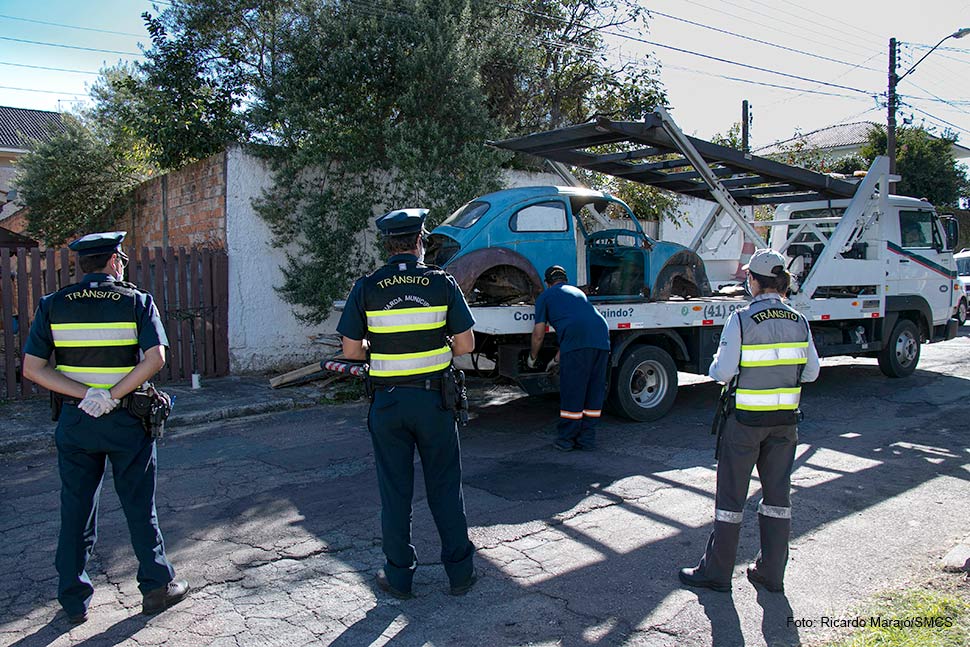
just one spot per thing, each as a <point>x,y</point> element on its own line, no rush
<point>656,152</point>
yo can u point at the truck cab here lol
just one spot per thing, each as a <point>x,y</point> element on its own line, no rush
<point>498,245</point>
<point>903,254</point>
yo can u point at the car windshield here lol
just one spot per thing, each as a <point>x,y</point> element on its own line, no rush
<point>963,266</point>
<point>467,216</point>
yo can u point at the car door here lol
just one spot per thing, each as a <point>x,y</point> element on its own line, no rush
<point>542,232</point>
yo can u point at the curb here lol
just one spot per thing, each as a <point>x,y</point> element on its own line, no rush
<point>43,441</point>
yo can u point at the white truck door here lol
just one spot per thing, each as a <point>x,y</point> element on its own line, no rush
<point>923,268</point>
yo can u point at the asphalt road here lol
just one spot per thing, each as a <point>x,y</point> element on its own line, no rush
<point>275,521</point>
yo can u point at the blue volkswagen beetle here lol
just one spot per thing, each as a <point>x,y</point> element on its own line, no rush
<point>497,247</point>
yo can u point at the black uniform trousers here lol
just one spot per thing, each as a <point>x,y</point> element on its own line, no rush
<point>400,420</point>
<point>582,390</point>
<point>772,449</point>
<point>83,446</point>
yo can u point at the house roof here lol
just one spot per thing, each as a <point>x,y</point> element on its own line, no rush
<point>840,137</point>
<point>18,126</point>
<point>13,239</point>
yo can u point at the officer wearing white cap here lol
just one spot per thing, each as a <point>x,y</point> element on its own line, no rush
<point>766,351</point>
<point>409,320</point>
<point>107,339</point>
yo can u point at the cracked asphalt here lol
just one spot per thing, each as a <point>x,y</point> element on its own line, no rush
<point>275,522</point>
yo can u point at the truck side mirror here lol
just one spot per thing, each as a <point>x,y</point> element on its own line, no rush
<point>952,228</point>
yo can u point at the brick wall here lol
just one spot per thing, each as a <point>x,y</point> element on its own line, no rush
<point>195,207</point>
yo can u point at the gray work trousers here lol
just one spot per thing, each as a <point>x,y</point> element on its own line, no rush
<point>772,449</point>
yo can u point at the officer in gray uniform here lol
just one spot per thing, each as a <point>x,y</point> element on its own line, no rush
<point>766,352</point>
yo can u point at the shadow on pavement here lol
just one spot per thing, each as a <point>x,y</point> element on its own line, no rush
<point>324,484</point>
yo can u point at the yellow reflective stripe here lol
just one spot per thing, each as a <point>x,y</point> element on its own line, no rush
<point>410,371</point>
<point>424,353</point>
<point>765,407</point>
<point>94,326</point>
<point>95,369</point>
<point>774,362</point>
<point>64,343</point>
<point>793,389</point>
<point>406,328</point>
<point>404,311</point>
<point>792,344</point>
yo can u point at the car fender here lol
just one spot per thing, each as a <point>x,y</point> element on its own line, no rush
<point>467,268</point>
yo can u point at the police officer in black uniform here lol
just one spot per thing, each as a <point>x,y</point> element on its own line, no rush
<point>409,320</point>
<point>107,339</point>
<point>765,353</point>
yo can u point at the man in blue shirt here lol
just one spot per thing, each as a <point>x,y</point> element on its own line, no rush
<point>107,339</point>
<point>408,320</point>
<point>584,351</point>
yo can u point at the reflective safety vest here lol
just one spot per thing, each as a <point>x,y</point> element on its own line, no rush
<point>774,351</point>
<point>406,304</point>
<point>95,332</point>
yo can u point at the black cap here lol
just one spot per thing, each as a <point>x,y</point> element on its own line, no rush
<point>106,242</point>
<point>402,221</point>
<point>555,273</point>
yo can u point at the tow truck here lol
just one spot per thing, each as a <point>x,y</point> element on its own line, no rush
<point>867,283</point>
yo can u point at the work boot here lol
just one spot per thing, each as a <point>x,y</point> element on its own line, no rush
<point>466,586</point>
<point>78,618</point>
<point>755,577</point>
<point>386,586</point>
<point>163,597</point>
<point>691,577</point>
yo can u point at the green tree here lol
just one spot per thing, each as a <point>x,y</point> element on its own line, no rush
<point>925,163</point>
<point>74,182</point>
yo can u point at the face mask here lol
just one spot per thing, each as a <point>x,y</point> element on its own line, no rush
<point>747,287</point>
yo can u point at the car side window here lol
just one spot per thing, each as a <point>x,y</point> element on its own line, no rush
<point>544,216</point>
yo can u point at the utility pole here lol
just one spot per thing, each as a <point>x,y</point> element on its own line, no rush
<point>891,110</point>
<point>744,127</point>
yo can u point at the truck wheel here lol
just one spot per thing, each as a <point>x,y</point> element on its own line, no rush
<point>645,384</point>
<point>901,353</point>
<point>961,314</point>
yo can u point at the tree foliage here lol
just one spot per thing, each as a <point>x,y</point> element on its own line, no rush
<point>363,105</point>
<point>925,163</point>
<point>74,182</point>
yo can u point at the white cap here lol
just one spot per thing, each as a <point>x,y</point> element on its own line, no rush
<point>766,262</point>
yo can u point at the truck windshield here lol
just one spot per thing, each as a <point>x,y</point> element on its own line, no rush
<point>468,215</point>
<point>963,266</point>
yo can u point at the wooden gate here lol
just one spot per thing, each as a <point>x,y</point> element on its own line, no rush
<point>190,288</point>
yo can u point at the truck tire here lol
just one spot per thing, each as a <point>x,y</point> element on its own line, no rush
<point>961,313</point>
<point>644,385</point>
<point>900,355</point>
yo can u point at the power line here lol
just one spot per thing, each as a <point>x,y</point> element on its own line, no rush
<point>879,37</point>
<point>7,87</point>
<point>693,53</point>
<point>814,23</point>
<point>87,49</point>
<point>43,67</point>
<point>763,83</point>
<point>757,40</point>
<point>774,27</point>
<point>57,24</point>
<point>942,121</point>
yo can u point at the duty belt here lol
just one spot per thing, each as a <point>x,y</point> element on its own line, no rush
<point>430,384</point>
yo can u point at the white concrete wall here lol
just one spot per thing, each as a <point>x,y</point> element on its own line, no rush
<point>264,334</point>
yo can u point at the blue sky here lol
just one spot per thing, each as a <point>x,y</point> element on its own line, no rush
<point>841,55</point>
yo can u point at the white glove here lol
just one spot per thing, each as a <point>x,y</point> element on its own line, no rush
<point>531,362</point>
<point>553,363</point>
<point>98,402</point>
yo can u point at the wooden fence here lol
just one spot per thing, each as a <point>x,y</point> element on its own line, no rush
<point>190,288</point>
